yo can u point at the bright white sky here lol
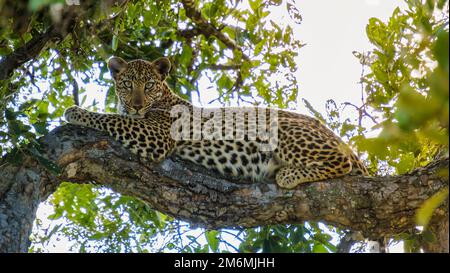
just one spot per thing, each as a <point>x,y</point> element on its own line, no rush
<point>332,30</point>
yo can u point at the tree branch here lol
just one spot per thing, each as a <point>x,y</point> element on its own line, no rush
<point>224,66</point>
<point>25,53</point>
<point>374,206</point>
<point>189,33</point>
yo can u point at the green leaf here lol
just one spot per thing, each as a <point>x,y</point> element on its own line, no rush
<point>254,5</point>
<point>225,82</point>
<point>131,10</point>
<point>41,127</point>
<point>212,239</point>
<point>15,157</point>
<point>376,32</point>
<point>17,127</point>
<point>267,246</point>
<point>294,13</point>
<point>259,46</point>
<point>48,164</point>
<point>34,5</point>
<point>440,50</point>
<point>10,114</point>
<point>428,236</point>
<point>425,211</point>
<point>186,55</point>
<point>313,111</point>
<point>406,163</point>
<point>151,17</point>
<point>319,248</point>
<point>114,43</point>
<point>98,236</point>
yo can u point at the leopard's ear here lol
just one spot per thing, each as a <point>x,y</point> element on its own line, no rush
<point>162,66</point>
<point>116,65</point>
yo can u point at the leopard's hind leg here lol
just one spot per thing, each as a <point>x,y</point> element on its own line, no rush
<point>291,176</point>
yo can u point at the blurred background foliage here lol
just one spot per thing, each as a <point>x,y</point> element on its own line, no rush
<point>53,53</point>
<point>407,86</point>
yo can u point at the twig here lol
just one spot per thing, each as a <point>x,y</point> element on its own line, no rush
<point>224,66</point>
<point>75,90</point>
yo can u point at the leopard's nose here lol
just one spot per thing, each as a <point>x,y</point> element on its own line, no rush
<point>138,106</point>
<point>137,99</point>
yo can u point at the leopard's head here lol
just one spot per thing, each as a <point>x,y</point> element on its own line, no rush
<point>139,83</point>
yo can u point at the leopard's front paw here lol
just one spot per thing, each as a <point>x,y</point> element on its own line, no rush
<point>74,114</point>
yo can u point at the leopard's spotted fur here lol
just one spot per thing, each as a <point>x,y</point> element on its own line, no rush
<point>306,150</point>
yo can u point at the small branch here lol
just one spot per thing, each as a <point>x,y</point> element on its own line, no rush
<point>224,66</point>
<point>189,33</point>
<point>75,90</point>
<point>361,112</point>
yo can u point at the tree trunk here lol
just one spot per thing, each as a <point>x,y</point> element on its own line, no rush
<point>19,199</point>
<point>374,206</point>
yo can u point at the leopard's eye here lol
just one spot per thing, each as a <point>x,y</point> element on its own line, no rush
<point>149,84</point>
<point>127,84</point>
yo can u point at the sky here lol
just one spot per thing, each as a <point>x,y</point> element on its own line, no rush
<point>332,30</point>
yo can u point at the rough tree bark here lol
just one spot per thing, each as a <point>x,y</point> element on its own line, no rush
<point>374,206</point>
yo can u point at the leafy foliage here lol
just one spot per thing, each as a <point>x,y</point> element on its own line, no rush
<point>407,86</point>
<point>99,220</point>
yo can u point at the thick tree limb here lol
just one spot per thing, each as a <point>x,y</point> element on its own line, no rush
<point>375,206</point>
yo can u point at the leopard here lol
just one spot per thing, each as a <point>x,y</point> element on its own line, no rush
<point>298,149</point>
